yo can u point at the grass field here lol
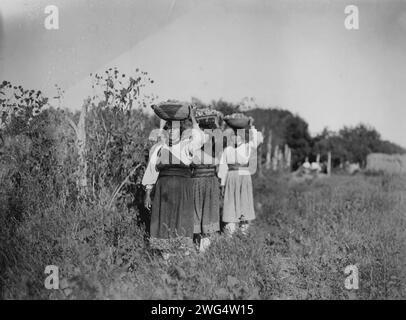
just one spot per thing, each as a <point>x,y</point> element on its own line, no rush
<point>298,248</point>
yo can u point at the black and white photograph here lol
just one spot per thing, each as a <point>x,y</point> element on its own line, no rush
<point>221,151</point>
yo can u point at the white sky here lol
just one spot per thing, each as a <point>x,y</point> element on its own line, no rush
<point>292,54</point>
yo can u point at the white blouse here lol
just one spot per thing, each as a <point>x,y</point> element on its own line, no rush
<point>239,155</point>
<point>183,151</point>
<point>201,157</point>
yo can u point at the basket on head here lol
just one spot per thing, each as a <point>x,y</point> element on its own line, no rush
<point>208,118</point>
<point>172,110</point>
<point>237,121</point>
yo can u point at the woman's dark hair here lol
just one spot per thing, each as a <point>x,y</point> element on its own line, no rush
<point>246,134</point>
<point>182,126</point>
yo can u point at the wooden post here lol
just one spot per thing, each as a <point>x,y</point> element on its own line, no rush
<point>269,151</point>
<point>289,158</point>
<point>280,158</point>
<point>259,155</point>
<point>285,156</point>
<point>80,131</point>
<point>329,163</point>
<point>275,158</point>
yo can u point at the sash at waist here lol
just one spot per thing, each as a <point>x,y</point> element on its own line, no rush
<point>203,171</point>
<point>234,167</point>
<point>175,170</point>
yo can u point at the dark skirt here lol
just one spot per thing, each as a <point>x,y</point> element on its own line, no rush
<point>172,207</point>
<point>206,193</point>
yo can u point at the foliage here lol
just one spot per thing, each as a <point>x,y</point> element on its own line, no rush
<point>225,107</point>
<point>286,128</point>
<point>353,144</point>
<point>38,161</point>
<point>18,107</point>
<point>116,90</point>
<point>359,142</point>
<point>303,238</point>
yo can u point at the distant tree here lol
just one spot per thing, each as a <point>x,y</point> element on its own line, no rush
<point>248,103</point>
<point>352,144</point>
<point>330,141</point>
<point>286,128</point>
<point>271,120</point>
<point>390,148</point>
<point>199,103</point>
<point>359,141</point>
<point>225,107</point>
<point>298,139</point>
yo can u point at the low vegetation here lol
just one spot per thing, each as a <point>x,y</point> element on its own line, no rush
<point>70,196</point>
<point>303,239</point>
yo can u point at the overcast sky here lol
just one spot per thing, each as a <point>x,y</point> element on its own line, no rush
<point>293,54</point>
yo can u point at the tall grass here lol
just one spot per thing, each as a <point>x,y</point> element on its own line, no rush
<point>304,237</point>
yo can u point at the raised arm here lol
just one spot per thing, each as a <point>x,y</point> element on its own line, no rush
<point>223,167</point>
<point>256,138</point>
<point>197,138</point>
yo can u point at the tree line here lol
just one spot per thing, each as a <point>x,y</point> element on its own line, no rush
<point>350,143</point>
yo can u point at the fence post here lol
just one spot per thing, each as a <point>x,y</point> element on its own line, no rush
<point>289,158</point>
<point>275,158</point>
<point>280,158</point>
<point>269,151</point>
<point>259,155</point>
<point>285,156</point>
<point>80,142</point>
<point>329,163</point>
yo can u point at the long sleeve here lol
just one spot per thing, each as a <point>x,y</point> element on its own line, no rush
<point>257,138</point>
<point>223,168</point>
<point>151,174</point>
<point>197,139</point>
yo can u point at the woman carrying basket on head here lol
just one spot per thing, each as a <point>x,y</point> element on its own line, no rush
<point>206,185</point>
<point>169,172</point>
<point>235,173</point>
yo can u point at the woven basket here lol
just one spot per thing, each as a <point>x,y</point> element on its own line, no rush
<point>237,123</point>
<point>208,118</point>
<point>207,122</point>
<point>172,110</point>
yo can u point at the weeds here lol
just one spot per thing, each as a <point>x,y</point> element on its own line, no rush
<point>298,248</point>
